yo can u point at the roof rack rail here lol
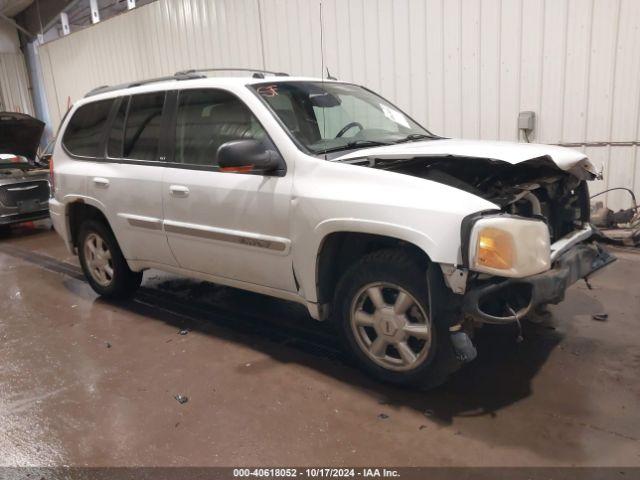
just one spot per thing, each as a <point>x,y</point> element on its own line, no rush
<point>110,88</point>
<point>184,75</point>
<point>257,73</point>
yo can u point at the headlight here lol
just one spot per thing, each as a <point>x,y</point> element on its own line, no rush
<point>509,246</point>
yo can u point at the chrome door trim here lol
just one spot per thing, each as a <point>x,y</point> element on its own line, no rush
<point>140,221</point>
<point>265,242</point>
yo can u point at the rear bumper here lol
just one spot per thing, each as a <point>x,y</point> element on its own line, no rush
<point>12,218</point>
<point>59,221</point>
<point>504,301</point>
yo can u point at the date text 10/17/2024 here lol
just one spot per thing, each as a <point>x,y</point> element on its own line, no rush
<point>316,473</point>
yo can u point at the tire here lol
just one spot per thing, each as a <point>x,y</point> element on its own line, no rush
<point>122,282</point>
<point>394,272</point>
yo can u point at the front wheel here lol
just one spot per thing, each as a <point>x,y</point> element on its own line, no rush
<point>103,263</point>
<point>385,318</point>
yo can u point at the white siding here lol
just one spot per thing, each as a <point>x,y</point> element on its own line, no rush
<point>14,84</point>
<point>461,67</point>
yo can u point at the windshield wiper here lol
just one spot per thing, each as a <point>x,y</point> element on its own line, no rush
<point>355,144</point>
<point>412,137</point>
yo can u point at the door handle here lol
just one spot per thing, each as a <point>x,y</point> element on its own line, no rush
<point>179,191</point>
<point>100,182</point>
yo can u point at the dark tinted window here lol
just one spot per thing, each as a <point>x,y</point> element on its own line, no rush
<point>116,134</point>
<point>142,130</point>
<point>85,131</point>
<point>207,119</point>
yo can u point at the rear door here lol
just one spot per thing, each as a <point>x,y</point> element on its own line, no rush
<point>128,182</point>
<point>231,224</point>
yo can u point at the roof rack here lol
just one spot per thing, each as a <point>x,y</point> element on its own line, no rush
<point>257,73</point>
<point>184,75</point>
<point>177,76</point>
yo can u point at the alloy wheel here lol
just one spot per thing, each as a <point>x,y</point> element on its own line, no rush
<point>98,259</point>
<point>390,326</point>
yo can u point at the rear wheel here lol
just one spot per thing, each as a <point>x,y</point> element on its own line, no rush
<point>385,318</point>
<point>103,263</point>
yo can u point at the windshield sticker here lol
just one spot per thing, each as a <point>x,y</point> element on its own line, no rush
<point>268,90</point>
<point>394,116</point>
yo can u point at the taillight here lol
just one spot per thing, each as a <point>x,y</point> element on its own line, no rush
<point>52,181</point>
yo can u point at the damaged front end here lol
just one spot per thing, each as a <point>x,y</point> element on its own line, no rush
<point>530,249</point>
<point>495,299</point>
<point>536,188</point>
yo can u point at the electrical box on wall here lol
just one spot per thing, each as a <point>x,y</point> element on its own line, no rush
<point>527,121</point>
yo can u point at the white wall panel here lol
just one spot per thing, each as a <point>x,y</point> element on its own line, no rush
<point>490,54</point>
<point>602,66</point>
<point>470,70</point>
<point>554,64</point>
<point>402,67</point>
<point>576,81</point>
<point>452,91</point>
<point>14,84</point>
<point>510,54</point>
<point>434,25</point>
<point>418,84</point>
<point>531,53</point>
<point>626,94</point>
<point>461,67</point>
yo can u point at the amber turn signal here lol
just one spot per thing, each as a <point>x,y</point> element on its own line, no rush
<point>495,249</point>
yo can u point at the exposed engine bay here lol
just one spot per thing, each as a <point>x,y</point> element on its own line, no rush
<point>535,188</point>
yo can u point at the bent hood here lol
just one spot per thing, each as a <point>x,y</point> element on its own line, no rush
<point>566,159</point>
<point>20,134</point>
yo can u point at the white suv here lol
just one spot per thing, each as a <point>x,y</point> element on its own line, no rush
<point>322,192</point>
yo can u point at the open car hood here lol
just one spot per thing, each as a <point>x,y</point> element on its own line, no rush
<point>566,159</point>
<point>20,134</point>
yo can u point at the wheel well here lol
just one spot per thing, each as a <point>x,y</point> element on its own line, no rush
<point>79,212</point>
<point>340,250</point>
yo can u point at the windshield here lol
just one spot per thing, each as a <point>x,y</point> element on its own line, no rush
<point>333,117</point>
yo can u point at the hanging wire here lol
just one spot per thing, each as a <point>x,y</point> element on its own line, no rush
<point>633,196</point>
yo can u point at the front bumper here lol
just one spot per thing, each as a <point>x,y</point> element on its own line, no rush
<point>504,301</point>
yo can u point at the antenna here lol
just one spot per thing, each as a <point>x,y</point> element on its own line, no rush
<point>321,43</point>
<point>324,117</point>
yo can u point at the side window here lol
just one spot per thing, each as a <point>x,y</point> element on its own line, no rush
<point>208,118</point>
<point>142,130</point>
<point>85,131</point>
<point>116,134</point>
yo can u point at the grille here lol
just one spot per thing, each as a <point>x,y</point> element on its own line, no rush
<point>11,195</point>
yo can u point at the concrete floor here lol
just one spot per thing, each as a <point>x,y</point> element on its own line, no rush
<point>88,382</point>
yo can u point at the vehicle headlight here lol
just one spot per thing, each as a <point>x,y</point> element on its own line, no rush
<point>509,246</point>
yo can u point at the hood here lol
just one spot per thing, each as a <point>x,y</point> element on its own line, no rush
<point>566,159</point>
<point>20,134</point>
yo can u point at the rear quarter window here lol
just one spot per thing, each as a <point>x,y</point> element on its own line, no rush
<point>85,132</point>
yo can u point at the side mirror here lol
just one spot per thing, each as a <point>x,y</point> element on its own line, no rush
<point>245,156</point>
